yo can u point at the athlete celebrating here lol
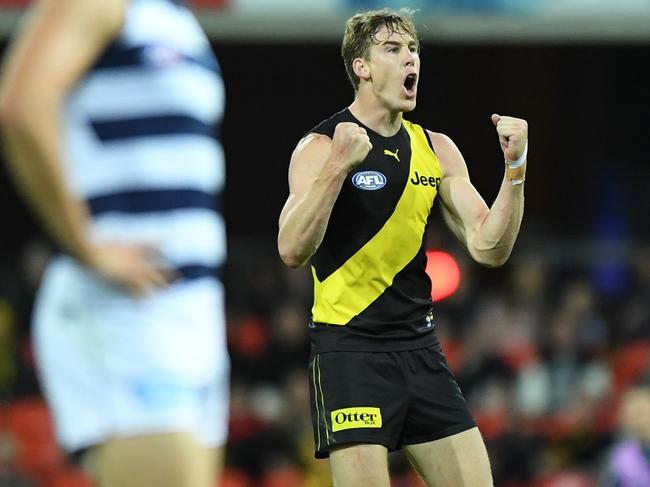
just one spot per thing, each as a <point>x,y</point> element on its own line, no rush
<point>362,184</point>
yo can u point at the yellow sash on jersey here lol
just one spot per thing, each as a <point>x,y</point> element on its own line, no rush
<point>370,271</point>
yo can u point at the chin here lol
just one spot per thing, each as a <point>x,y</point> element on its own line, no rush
<point>409,106</point>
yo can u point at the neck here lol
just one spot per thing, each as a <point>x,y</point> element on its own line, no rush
<point>376,117</point>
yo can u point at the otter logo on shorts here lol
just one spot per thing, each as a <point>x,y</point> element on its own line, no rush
<point>349,418</point>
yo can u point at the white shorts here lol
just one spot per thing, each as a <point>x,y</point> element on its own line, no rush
<point>115,366</point>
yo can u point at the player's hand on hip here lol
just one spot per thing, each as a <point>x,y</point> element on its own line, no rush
<point>513,135</point>
<point>134,267</point>
<point>350,145</point>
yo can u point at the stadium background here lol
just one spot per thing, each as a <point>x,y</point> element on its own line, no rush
<point>543,347</point>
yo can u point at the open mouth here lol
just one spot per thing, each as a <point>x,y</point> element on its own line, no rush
<point>410,83</point>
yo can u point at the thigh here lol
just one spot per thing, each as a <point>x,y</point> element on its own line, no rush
<point>438,408</point>
<point>460,460</point>
<point>356,397</point>
<point>355,465</point>
<point>164,460</point>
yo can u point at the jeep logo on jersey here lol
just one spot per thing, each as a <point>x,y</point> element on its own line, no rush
<point>425,180</point>
<point>349,418</point>
<point>369,180</point>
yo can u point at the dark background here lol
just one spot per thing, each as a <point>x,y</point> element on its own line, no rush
<point>587,107</point>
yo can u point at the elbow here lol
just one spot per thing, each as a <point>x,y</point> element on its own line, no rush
<point>291,260</point>
<point>21,106</point>
<point>7,109</point>
<point>490,254</point>
<point>290,256</point>
<point>12,109</point>
<point>294,250</point>
<point>491,259</point>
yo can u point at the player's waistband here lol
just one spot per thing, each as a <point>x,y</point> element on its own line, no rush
<point>360,336</point>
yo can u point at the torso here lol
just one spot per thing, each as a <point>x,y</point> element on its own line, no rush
<point>370,286</point>
<point>142,138</point>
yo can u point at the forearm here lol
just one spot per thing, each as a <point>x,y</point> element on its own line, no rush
<point>303,227</point>
<point>31,139</point>
<point>493,240</point>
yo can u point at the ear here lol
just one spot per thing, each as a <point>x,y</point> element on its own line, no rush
<point>361,68</point>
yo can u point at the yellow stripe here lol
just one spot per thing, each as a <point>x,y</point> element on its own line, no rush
<point>366,275</point>
<point>322,398</point>
<point>313,369</point>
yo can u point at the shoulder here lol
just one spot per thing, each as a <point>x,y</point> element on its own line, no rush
<point>312,144</point>
<point>307,160</point>
<point>450,157</point>
<point>309,155</point>
<point>319,138</point>
<point>328,126</point>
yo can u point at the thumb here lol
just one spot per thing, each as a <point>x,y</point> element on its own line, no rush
<point>495,119</point>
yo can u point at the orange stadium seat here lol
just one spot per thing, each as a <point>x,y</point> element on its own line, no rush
<point>29,422</point>
<point>632,361</point>
<point>233,477</point>
<point>68,477</point>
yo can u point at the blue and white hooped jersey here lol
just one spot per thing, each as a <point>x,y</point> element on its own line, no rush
<point>143,142</point>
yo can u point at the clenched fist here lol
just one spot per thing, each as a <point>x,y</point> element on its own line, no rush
<point>350,145</point>
<point>513,135</point>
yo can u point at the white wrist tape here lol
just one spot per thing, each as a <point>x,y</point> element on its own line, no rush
<point>520,161</point>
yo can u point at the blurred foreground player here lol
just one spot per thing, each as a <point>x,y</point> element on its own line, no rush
<point>362,184</point>
<point>109,113</point>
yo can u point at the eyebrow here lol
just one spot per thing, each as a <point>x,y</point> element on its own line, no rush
<point>396,43</point>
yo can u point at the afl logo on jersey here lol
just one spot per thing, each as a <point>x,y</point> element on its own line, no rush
<point>369,180</point>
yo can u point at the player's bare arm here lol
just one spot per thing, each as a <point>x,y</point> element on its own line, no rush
<point>489,233</point>
<point>318,168</point>
<point>57,45</point>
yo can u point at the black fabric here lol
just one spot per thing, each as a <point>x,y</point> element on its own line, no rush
<point>358,336</point>
<point>359,215</point>
<point>393,321</point>
<point>416,393</point>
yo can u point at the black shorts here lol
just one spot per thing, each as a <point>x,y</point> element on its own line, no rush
<point>385,398</point>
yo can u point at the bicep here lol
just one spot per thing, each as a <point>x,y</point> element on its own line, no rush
<point>463,208</point>
<point>306,163</point>
<point>59,42</point>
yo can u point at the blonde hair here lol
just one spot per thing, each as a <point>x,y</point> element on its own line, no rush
<point>361,30</point>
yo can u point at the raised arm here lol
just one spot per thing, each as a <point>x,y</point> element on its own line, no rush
<point>489,233</point>
<point>318,168</point>
<point>57,45</point>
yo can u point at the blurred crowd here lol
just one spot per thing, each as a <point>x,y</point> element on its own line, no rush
<point>552,353</point>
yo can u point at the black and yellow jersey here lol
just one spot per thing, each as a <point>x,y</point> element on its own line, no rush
<point>371,291</point>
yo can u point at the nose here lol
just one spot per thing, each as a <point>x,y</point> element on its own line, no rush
<point>410,58</point>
